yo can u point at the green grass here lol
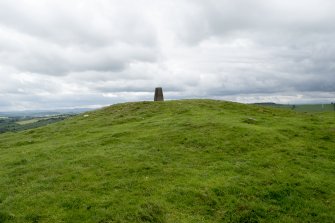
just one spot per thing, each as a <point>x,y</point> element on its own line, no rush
<point>174,161</point>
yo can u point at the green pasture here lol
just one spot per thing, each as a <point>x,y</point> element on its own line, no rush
<point>175,161</point>
<point>29,121</point>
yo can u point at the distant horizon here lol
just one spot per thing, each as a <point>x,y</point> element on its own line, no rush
<point>87,108</point>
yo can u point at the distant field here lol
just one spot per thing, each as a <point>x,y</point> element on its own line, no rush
<point>16,124</point>
<point>30,121</point>
<point>314,108</point>
<point>305,107</point>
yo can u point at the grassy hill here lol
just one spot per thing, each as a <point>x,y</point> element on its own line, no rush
<point>174,161</point>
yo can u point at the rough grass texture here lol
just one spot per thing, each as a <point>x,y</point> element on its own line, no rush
<point>175,161</point>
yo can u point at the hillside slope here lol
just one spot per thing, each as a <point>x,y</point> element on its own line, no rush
<point>174,161</point>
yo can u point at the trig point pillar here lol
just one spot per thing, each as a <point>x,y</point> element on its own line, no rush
<point>159,94</point>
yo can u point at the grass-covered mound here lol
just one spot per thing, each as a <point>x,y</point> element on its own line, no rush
<point>175,161</point>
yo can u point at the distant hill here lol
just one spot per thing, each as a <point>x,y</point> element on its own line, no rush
<point>173,161</point>
<point>265,103</point>
<point>22,120</point>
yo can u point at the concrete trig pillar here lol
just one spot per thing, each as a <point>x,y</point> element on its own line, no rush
<point>159,94</point>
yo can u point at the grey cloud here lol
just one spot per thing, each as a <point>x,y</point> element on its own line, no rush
<point>217,18</point>
<point>134,86</point>
<point>86,23</point>
<point>59,54</point>
<point>46,58</point>
<point>55,39</point>
<point>297,36</point>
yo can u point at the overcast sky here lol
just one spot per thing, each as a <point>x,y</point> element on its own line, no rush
<point>90,53</point>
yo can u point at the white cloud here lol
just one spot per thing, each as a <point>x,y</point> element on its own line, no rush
<point>91,53</point>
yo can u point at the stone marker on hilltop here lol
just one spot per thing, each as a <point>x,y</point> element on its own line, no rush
<point>159,94</point>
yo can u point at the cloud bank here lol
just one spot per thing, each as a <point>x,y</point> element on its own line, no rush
<point>61,54</point>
